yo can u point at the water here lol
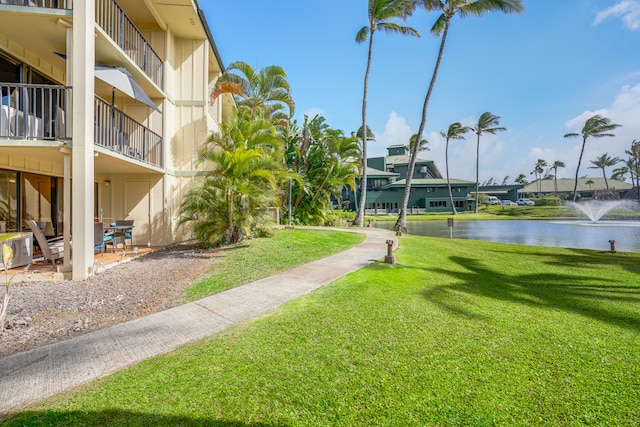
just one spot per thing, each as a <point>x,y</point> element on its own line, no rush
<point>596,209</point>
<point>566,234</point>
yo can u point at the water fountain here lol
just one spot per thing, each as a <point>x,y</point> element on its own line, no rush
<point>596,209</point>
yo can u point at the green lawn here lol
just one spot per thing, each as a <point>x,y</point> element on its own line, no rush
<point>457,333</point>
<point>259,258</point>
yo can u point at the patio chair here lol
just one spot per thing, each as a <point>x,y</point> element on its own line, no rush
<point>126,233</point>
<point>52,249</point>
<point>102,239</point>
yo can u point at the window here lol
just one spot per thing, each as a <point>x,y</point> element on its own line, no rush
<point>432,189</point>
<point>438,204</point>
<point>458,203</point>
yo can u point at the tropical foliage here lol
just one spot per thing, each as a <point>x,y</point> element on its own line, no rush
<point>242,163</point>
<point>322,161</point>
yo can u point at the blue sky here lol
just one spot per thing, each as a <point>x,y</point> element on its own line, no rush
<point>544,72</point>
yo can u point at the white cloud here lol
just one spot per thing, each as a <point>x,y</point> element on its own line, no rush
<point>629,10</point>
<point>396,131</point>
<point>624,110</point>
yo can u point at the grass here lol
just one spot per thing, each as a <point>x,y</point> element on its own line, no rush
<point>263,257</point>
<point>457,333</point>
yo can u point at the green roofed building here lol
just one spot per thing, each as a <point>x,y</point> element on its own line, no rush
<point>564,187</point>
<point>386,181</point>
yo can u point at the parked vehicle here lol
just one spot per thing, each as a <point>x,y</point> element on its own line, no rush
<point>525,202</point>
<point>506,202</point>
<point>494,200</point>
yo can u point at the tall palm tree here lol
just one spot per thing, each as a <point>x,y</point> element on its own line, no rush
<point>487,123</point>
<point>448,9</point>
<point>537,171</point>
<point>265,93</point>
<point>455,131</point>
<point>603,162</point>
<point>555,166</point>
<point>596,127</point>
<point>380,13</point>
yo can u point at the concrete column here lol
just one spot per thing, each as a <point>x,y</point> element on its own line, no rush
<point>83,62</point>
<point>66,208</point>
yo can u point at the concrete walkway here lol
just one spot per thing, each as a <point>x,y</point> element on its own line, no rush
<point>33,375</point>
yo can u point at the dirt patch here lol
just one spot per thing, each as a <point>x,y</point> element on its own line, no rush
<point>46,312</point>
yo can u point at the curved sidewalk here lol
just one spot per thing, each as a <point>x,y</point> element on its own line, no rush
<point>42,372</point>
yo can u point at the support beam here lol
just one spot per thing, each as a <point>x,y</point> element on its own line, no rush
<point>83,61</point>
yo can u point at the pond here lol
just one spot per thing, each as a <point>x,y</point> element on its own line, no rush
<point>566,234</point>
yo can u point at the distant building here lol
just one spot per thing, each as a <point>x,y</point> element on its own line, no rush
<point>587,187</point>
<point>386,181</point>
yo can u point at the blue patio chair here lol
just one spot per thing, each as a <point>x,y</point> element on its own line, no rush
<point>100,239</point>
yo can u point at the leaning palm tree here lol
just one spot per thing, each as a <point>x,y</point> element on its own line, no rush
<point>596,127</point>
<point>555,166</point>
<point>448,9</point>
<point>455,131</point>
<point>603,162</point>
<point>487,123</point>
<point>380,13</point>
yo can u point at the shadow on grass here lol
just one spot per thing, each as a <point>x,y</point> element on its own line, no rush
<point>118,418</point>
<point>567,292</point>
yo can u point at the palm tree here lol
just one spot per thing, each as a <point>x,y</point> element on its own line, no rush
<point>603,162</point>
<point>537,171</point>
<point>487,123</point>
<point>557,164</point>
<point>380,13</point>
<point>620,174</point>
<point>521,179</point>
<point>634,162</point>
<point>455,131</point>
<point>241,181</point>
<point>596,127</point>
<point>265,93</point>
<point>589,182</point>
<point>422,145</point>
<point>448,9</point>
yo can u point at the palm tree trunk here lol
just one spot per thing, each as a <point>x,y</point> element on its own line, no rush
<point>477,170</point>
<point>575,184</point>
<point>401,224</point>
<point>446,163</point>
<point>363,183</point>
<point>606,183</point>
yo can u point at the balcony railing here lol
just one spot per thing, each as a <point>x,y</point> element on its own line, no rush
<point>51,4</point>
<point>30,111</point>
<point>116,23</point>
<point>120,133</point>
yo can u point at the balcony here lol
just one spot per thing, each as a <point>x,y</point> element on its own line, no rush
<point>51,4</point>
<point>30,111</point>
<point>115,22</point>
<point>119,133</point>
